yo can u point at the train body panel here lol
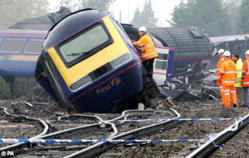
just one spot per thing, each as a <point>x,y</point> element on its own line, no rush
<point>103,93</point>
<point>99,59</point>
<point>104,75</point>
<point>19,52</point>
<point>115,87</point>
<point>191,44</point>
<point>17,68</point>
<point>89,75</point>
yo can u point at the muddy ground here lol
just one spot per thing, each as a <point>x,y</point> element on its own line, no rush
<point>185,130</point>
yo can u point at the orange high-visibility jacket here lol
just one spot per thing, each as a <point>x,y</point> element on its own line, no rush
<point>228,72</point>
<point>148,49</point>
<point>245,73</point>
<point>221,60</point>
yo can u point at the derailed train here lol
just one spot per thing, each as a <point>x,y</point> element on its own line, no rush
<point>88,63</point>
<point>20,49</point>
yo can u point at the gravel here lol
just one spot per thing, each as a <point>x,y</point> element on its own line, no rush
<point>185,130</point>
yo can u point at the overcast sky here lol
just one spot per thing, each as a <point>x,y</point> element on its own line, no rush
<point>162,8</point>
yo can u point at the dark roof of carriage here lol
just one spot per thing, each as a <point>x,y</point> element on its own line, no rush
<point>71,25</point>
<point>187,41</point>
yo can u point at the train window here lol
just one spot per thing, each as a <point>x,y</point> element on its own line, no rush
<point>162,56</point>
<point>34,46</point>
<point>162,65</point>
<point>13,45</point>
<point>85,44</point>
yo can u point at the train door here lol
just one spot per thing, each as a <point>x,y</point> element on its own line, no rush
<point>163,65</point>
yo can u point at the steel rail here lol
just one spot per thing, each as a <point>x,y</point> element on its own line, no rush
<point>79,116</point>
<point>15,147</point>
<point>18,148</point>
<point>102,146</point>
<point>127,113</point>
<point>216,142</point>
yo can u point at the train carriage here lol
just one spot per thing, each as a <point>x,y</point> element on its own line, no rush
<point>19,51</point>
<point>89,63</point>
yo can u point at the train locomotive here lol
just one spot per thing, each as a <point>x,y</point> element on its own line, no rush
<point>88,63</point>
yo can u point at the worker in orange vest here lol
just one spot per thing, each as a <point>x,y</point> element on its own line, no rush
<point>228,77</point>
<point>219,82</point>
<point>147,50</point>
<point>245,79</point>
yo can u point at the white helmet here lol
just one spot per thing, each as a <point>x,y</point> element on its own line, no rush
<point>247,52</point>
<point>227,53</point>
<point>221,51</point>
<point>142,28</point>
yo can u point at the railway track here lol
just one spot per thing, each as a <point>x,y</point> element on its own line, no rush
<point>101,147</point>
<point>178,142</point>
<point>130,125</point>
<point>60,122</point>
<point>237,146</point>
<point>103,129</point>
<point>39,127</point>
<point>231,142</point>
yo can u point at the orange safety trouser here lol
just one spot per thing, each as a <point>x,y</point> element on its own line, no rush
<point>222,94</point>
<point>229,92</point>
